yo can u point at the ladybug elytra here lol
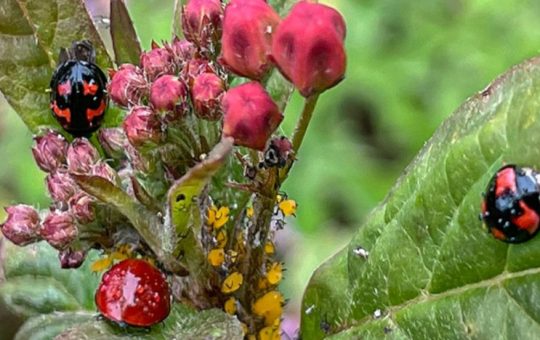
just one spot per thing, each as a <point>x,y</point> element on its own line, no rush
<point>134,292</point>
<point>78,90</point>
<point>511,205</point>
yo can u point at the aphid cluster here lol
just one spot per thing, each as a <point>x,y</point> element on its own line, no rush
<point>511,204</point>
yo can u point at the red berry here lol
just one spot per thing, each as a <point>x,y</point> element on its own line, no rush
<point>247,37</point>
<point>134,292</point>
<point>308,47</point>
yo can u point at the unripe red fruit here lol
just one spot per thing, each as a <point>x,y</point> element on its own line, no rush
<point>127,85</point>
<point>308,47</point>
<point>168,93</point>
<point>81,156</point>
<point>50,151</point>
<point>201,22</point>
<point>134,292</point>
<point>22,224</point>
<point>59,229</point>
<point>250,115</point>
<point>157,61</point>
<point>142,126</point>
<point>248,26</point>
<point>206,95</point>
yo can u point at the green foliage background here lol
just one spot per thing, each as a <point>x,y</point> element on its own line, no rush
<point>411,63</point>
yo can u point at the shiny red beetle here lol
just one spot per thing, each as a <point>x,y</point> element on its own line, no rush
<point>135,293</point>
<point>511,204</point>
<point>78,90</point>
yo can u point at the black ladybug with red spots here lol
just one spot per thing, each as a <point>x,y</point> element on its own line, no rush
<point>511,204</point>
<point>78,90</point>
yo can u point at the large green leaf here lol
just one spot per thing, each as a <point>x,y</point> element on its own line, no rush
<point>182,323</point>
<point>36,284</point>
<point>432,271</point>
<point>126,45</point>
<point>31,35</point>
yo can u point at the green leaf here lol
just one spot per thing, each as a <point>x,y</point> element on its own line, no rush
<point>36,284</point>
<point>127,47</point>
<point>31,35</point>
<point>182,323</point>
<point>177,18</point>
<point>48,326</point>
<point>279,88</point>
<point>145,222</point>
<point>282,6</point>
<point>432,270</point>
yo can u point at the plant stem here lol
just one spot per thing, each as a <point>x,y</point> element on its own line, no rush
<point>303,121</point>
<point>300,132</point>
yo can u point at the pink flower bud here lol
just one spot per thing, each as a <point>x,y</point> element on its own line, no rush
<point>250,115</point>
<point>59,229</point>
<point>206,96</point>
<point>193,68</point>
<point>142,126</point>
<point>157,61</point>
<point>248,26</point>
<point>181,50</point>
<point>50,151</point>
<point>71,258</point>
<point>127,85</point>
<point>82,208</point>
<point>61,186</point>
<point>308,47</point>
<point>113,141</point>
<point>138,161</point>
<point>168,93</point>
<point>81,155</point>
<point>201,22</point>
<point>104,170</point>
<point>22,224</point>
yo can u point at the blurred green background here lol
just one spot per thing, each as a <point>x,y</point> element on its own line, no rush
<point>411,63</point>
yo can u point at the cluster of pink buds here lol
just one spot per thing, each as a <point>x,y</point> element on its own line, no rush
<point>186,105</point>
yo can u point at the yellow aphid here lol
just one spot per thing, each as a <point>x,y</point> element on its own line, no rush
<point>245,328</point>
<point>269,306</point>
<point>232,283</point>
<point>279,198</point>
<point>270,333</point>
<point>275,273</point>
<point>118,255</point>
<point>217,217</point>
<point>216,257</point>
<point>101,264</point>
<point>249,212</point>
<point>269,248</point>
<point>222,239</point>
<point>233,255</point>
<point>230,306</point>
<point>263,283</point>
<point>288,207</point>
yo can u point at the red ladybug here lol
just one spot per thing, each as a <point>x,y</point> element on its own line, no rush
<point>511,205</point>
<point>78,90</point>
<point>134,292</point>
